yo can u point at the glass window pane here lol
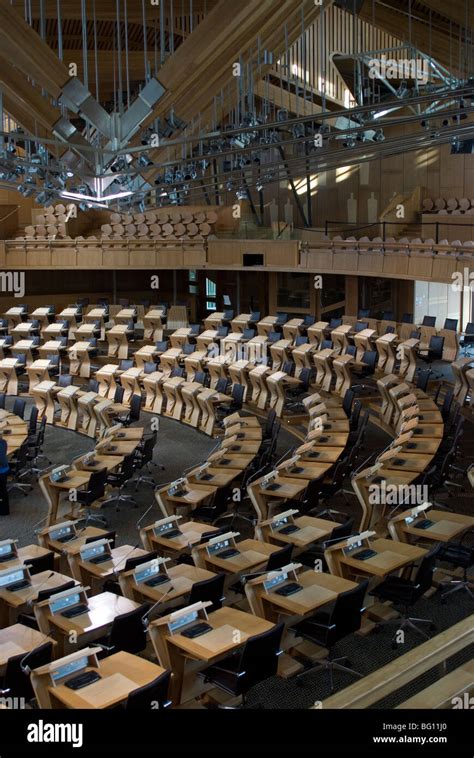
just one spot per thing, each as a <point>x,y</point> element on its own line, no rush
<point>293,290</point>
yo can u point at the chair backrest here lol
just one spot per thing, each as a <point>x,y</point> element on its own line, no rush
<point>279,558</point>
<point>436,346</point>
<point>19,407</point>
<point>222,331</point>
<point>209,589</point>
<point>469,328</point>
<point>135,407</point>
<point>238,394</point>
<point>162,346</point>
<point>93,385</point>
<point>364,313</point>
<point>355,416</point>
<point>200,377</point>
<point>282,318</point>
<point>147,450</point>
<point>151,696</point>
<point>221,385</point>
<point>309,320</point>
<point>53,359</point>
<point>351,350</point>
<point>259,659</point>
<point>178,371</point>
<point>370,358</point>
<point>407,318</point>
<point>65,380</point>
<point>103,536</point>
<point>128,632</point>
<point>390,330</point>
<point>195,329</point>
<point>128,466</point>
<point>46,594</point>
<point>274,336</point>
<point>326,345</point>
<point>228,314</point>
<point>451,324</point>
<point>124,365</point>
<point>429,321</point>
<point>32,421</point>
<point>388,316</point>
<point>361,325</point>
<point>132,563</point>
<point>346,616</point>
<point>97,483</point>
<point>118,394</point>
<point>149,367</point>
<point>305,378</point>
<point>289,368</point>
<point>21,458</point>
<point>255,317</point>
<point>348,402</point>
<point>300,340</point>
<point>189,349</point>
<point>42,563</point>
<point>341,531</point>
<point>248,334</point>
<point>424,576</point>
<point>17,680</point>
<point>335,322</point>
<point>2,400</point>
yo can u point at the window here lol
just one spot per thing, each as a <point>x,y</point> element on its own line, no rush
<point>293,290</point>
<point>211,295</point>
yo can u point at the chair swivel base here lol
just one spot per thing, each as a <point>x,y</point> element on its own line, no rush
<point>329,665</point>
<point>456,585</point>
<point>407,622</point>
<point>93,518</point>
<point>120,498</point>
<point>145,480</point>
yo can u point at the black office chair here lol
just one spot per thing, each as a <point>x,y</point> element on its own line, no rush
<point>289,368</point>
<point>249,334</point>
<point>200,377</point>
<point>16,682</point>
<point>274,336</point>
<point>459,556</point>
<point>177,371</point>
<point>407,318</point>
<point>348,402</point>
<point>434,353</point>
<point>326,345</point>
<point>258,661</point>
<point>300,339</point>
<point>161,346</point>
<point>269,424</point>
<point>128,633</point>
<point>222,385</point>
<point>316,552</point>
<point>334,323</point>
<point>451,324</point>
<point>2,400</point>
<point>237,394</point>
<point>390,330</point>
<point>429,321</point>
<point>468,339</point>
<point>369,359</point>
<point>222,331</point>
<point>328,627</point>
<point>125,365</point>
<point>134,412</point>
<point>404,593</point>
<point>415,334</point>
<point>152,696</point>
<point>195,330</point>
<point>388,316</point>
<point>295,395</point>
<point>144,460</point>
<point>64,380</point>
<point>189,349</point>
<point>132,563</point>
<point>281,318</point>
<point>149,367</point>
<point>93,386</point>
<point>119,480</point>
<point>363,313</point>
<point>19,407</point>
<point>42,563</point>
<point>351,350</point>
<point>360,326</point>
<point>19,468</point>
<point>32,422</point>
<point>209,590</point>
<point>255,317</point>
<point>94,492</point>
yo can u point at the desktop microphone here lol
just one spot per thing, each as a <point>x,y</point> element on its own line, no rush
<point>41,521</point>
<point>137,525</point>
<point>145,618</point>
<point>115,571</point>
<point>288,452</point>
<point>31,599</point>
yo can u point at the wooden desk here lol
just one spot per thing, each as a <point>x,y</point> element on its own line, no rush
<point>192,532</point>
<point>195,495</point>
<point>121,673</point>
<point>205,339</point>
<point>44,399</point>
<point>260,392</point>
<point>363,342</point>
<point>106,378</point>
<point>8,376</point>
<point>407,351</point>
<point>311,530</point>
<point>153,325</point>
<point>117,337</point>
<point>26,348</point>
<point>174,401</point>
<point>154,399</point>
<point>339,338</point>
<point>125,315</point>
<point>182,577</point>
<point>52,347</point>
<point>263,498</point>
<point>277,384</point>
<point>252,554</point>
<point>14,603</point>
<point>89,626</point>
<point>292,328</point>
<point>19,639</point>
<point>341,365</point>
<point>180,337</point>
<point>391,557</point>
<point>319,589</point>
<point>94,574</point>
<point>68,401</point>
<point>79,359</point>
<point>186,657</point>
<point>303,357</point>
<point>387,354</point>
<point>130,381</point>
<point>241,322</point>
<point>170,360</point>
<point>316,332</point>
<point>266,325</point>
<point>75,480</point>
<point>446,527</point>
<point>146,354</point>
<point>323,363</point>
<point>86,403</point>
<point>279,352</point>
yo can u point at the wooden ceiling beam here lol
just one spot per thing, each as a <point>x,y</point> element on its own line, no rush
<point>105,10</point>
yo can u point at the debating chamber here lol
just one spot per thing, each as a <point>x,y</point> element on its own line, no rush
<point>236,371</point>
